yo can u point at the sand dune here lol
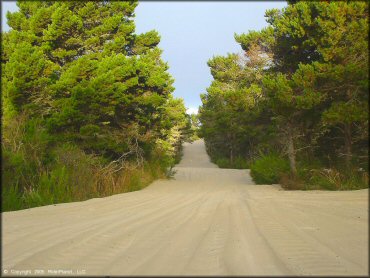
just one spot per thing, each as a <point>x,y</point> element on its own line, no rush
<point>205,221</point>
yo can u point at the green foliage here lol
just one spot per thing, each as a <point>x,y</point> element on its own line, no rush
<point>194,128</point>
<point>330,179</point>
<point>12,198</point>
<point>222,162</point>
<point>233,109</point>
<point>301,89</point>
<point>268,169</point>
<point>84,99</point>
<point>237,163</point>
<point>354,111</point>
<point>75,176</point>
<point>135,182</point>
<point>240,163</point>
<point>88,75</point>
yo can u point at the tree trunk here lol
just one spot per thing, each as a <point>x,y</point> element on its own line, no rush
<point>291,153</point>
<point>231,148</point>
<point>348,145</point>
<point>231,153</point>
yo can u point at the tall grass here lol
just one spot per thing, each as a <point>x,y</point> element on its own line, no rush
<point>318,177</point>
<point>36,171</point>
<point>81,178</point>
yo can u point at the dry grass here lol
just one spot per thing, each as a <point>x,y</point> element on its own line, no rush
<point>37,173</point>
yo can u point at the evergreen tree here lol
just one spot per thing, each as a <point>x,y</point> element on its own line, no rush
<point>304,83</point>
<point>80,66</point>
<point>87,103</point>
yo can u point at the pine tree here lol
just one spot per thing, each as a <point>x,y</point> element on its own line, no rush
<point>81,67</point>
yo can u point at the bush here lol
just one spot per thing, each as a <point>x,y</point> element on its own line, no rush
<point>313,175</point>
<point>39,170</point>
<point>238,163</point>
<point>222,162</point>
<point>290,182</point>
<point>268,169</point>
<point>356,180</point>
<point>332,179</point>
<point>11,198</point>
<point>72,175</point>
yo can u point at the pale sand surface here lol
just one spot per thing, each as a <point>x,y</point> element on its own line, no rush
<point>206,221</point>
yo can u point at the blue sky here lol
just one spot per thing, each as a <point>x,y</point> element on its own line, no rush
<point>191,33</point>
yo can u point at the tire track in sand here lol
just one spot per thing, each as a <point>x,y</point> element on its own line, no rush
<point>206,221</point>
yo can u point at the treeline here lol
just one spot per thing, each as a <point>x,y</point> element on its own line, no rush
<point>294,106</point>
<point>87,104</point>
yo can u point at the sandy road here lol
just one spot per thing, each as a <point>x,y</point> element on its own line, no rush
<point>206,221</point>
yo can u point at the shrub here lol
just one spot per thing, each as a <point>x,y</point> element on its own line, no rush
<point>238,163</point>
<point>291,182</point>
<point>329,179</point>
<point>268,169</point>
<point>313,175</point>
<point>356,180</point>
<point>74,175</point>
<point>332,179</point>
<point>11,198</point>
<point>37,170</point>
<point>222,162</point>
<point>135,182</point>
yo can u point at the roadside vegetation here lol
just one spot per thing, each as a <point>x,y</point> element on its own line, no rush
<point>194,128</point>
<point>87,104</point>
<point>293,107</point>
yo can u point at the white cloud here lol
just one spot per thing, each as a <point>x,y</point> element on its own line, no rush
<point>192,110</point>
